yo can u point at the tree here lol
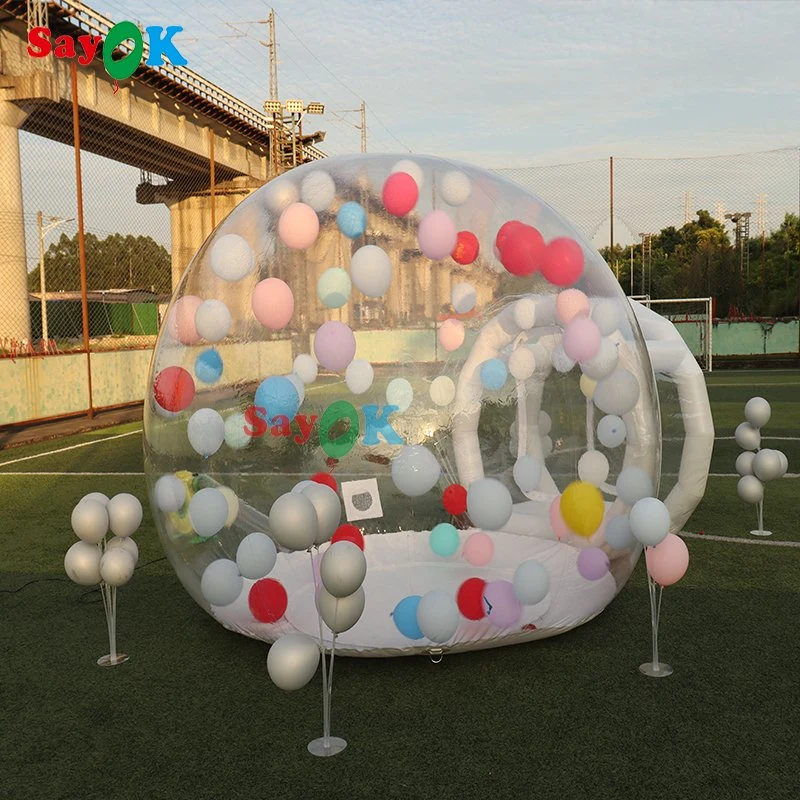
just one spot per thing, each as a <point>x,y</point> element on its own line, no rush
<point>116,262</point>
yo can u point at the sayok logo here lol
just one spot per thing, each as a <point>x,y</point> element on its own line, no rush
<point>40,44</point>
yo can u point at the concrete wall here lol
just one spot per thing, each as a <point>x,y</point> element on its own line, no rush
<point>744,338</point>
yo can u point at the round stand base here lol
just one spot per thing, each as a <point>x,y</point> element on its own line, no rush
<point>761,533</point>
<point>334,745</point>
<point>652,670</point>
<point>105,661</point>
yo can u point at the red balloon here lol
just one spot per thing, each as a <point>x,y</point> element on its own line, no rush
<point>326,479</point>
<point>505,230</point>
<point>470,598</point>
<point>523,250</point>
<point>466,249</point>
<point>454,499</point>
<point>562,262</point>
<point>268,600</point>
<point>173,388</point>
<point>348,533</point>
<point>400,194</point>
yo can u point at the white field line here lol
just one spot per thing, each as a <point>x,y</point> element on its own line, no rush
<point>773,438</point>
<point>714,384</point>
<point>738,539</point>
<point>71,447</point>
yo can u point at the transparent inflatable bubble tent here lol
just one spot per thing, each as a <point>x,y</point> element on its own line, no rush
<point>426,360</point>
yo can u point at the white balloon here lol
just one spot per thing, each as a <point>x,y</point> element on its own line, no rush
<point>233,505</point>
<point>124,514</point>
<point>90,521</point>
<point>292,661</point>
<point>343,568</point>
<point>767,465</point>
<point>619,534</point>
<point>525,313</point>
<point>221,583</point>
<point>750,489</point>
<point>527,473</point>
<point>82,563</point>
<point>399,393</point>
<point>359,376</point>
<point>757,412</point>
<point>561,361</point>
<point>236,431</point>
<point>231,257</point>
<point>125,543</point>
<point>415,470</point>
<point>747,437</point>
<point>256,556</point>
<point>489,504</point>
<point>617,393</point>
<point>298,384</point>
<point>784,463</point>
<point>170,493</point>
<point>293,521</point>
<point>650,520</point>
<point>279,194</point>
<point>547,445</point>
<point>437,616</point>
<point>545,423</point>
<point>410,168</point>
<point>604,363</point>
<point>208,511</point>
<point>328,509</point>
<point>443,390</point>
<point>463,297</point>
<point>593,467</point>
<point>305,367</point>
<point>116,567</point>
<point>633,484</point>
<point>206,431</point>
<point>455,187</point>
<point>531,583</point>
<point>318,190</point>
<point>522,363</point>
<point>98,497</point>
<point>340,613</point>
<point>299,488</point>
<point>371,270</point>
<point>611,431</point>
<point>213,320</point>
<point>607,316</point>
<point>744,463</point>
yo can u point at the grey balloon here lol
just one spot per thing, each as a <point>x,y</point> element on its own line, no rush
<point>256,556</point>
<point>293,521</point>
<point>340,613</point>
<point>767,464</point>
<point>531,583</point>
<point>124,514</point>
<point>328,509</point>
<point>744,463</point>
<point>208,512</point>
<point>437,616</point>
<point>619,534</point>
<point>343,568</point>
<point>292,661</point>
<point>750,489</point>
<point>489,504</point>
<point>82,563</point>
<point>90,521</point>
<point>221,583</point>
<point>747,437</point>
<point>633,484</point>
<point>170,492</point>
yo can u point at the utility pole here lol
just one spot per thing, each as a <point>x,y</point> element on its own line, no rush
<point>43,229</point>
<point>363,127</point>
<point>741,219</point>
<point>647,261</point>
<point>272,46</point>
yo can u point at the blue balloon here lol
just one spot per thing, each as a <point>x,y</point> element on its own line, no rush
<point>352,220</point>
<point>279,397</point>
<point>444,539</point>
<point>208,366</point>
<point>405,617</point>
<point>493,374</point>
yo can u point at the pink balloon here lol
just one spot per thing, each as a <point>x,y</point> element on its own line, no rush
<point>334,345</point>
<point>562,263</point>
<point>400,193</point>
<point>437,235</point>
<point>668,561</point>
<point>479,549</point>
<point>503,610</point>
<point>181,319</point>
<point>273,303</point>
<point>557,523</point>
<point>451,334</point>
<point>298,226</point>
<point>593,563</point>
<point>581,339</point>
<point>570,303</point>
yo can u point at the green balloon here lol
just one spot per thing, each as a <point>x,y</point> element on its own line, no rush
<point>125,67</point>
<point>336,436</point>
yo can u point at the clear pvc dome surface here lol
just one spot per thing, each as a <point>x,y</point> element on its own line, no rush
<point>445,347</point>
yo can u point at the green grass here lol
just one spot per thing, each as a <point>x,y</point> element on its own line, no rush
<point>194,715</point>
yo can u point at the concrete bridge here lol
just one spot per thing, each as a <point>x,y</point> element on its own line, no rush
<point>165,120</point>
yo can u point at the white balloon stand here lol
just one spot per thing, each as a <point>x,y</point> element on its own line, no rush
<point>655,668</point>
<point>113,659</point>
<point>761,531</point>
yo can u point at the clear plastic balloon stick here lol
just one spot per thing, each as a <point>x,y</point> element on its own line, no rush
<point>109,595</point>
<point>655,668</point>
<point>589,424</point>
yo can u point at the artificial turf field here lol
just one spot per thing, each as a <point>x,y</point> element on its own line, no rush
<point>194,714</point>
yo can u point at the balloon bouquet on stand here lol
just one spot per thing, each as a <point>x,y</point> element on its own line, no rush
<point>755,465</point>
<point>108,562</point>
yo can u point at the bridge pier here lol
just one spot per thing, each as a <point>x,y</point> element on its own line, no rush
<point>15,320</point>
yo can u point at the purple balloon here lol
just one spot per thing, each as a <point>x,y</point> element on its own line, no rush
<point>503,609</point>
<point>334,345</point>
<point>592,563</point>
<point>437,235</point>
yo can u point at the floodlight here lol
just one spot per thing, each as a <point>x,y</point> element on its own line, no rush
<point>273,106</point>
<point>315,108</point>
<point>294,106</point>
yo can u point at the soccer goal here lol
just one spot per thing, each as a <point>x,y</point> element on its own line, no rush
<point>692,316</point>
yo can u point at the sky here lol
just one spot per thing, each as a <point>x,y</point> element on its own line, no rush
<point>504,84</point>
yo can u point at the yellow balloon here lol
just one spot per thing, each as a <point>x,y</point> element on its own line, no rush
<point>588,385</point>
<point>582,507</point>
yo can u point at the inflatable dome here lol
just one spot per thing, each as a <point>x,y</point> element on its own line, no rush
<point>426,360</point>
